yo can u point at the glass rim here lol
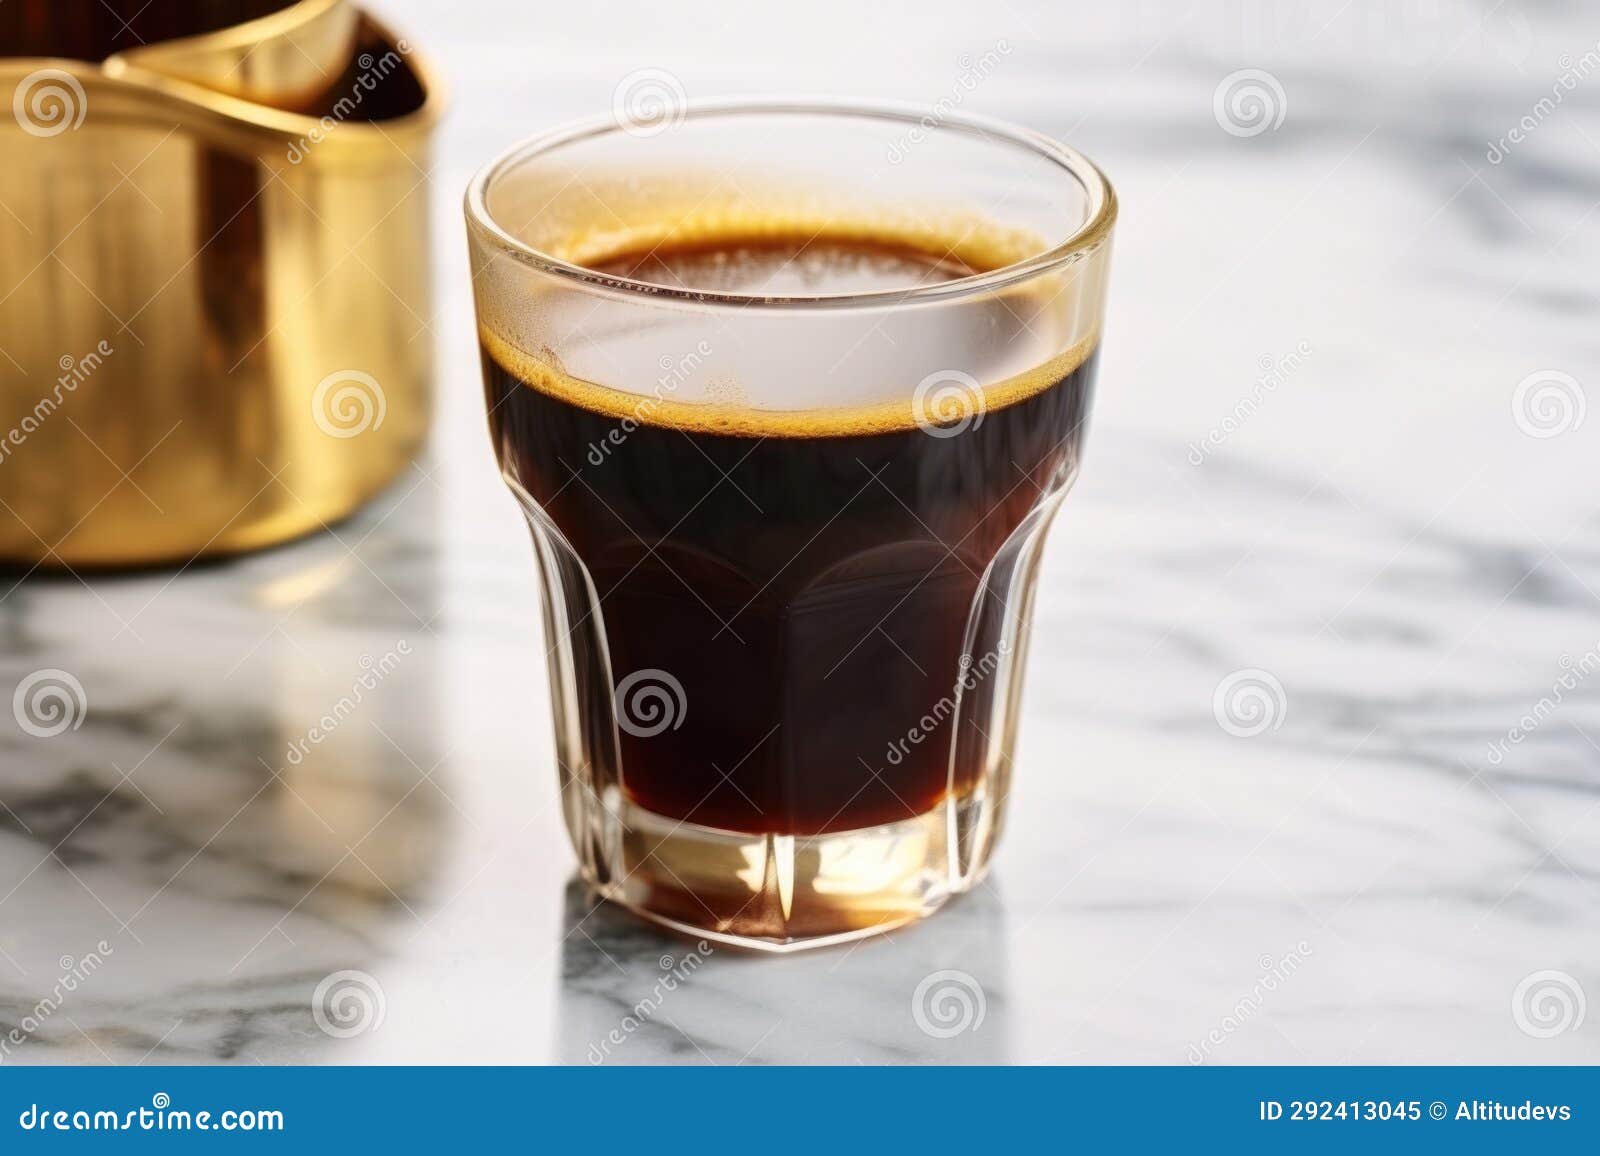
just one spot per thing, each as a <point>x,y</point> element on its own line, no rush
<point>1096,227</point>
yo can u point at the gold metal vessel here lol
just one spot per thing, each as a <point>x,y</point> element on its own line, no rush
<point>215,325</point>
<point>287,58</point>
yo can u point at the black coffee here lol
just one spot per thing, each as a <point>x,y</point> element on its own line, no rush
<point>807,579</point>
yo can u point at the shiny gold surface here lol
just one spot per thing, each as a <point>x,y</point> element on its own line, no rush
<point>215,329</point>
<point>288,59</point>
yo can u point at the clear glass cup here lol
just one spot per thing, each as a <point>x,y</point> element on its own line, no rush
<point>788,536</point>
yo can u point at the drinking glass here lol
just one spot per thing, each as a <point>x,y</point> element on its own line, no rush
<point>788,534</point>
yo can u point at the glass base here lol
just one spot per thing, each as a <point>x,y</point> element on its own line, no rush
<point>774,893</point>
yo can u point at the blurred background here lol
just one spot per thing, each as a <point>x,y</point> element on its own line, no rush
<point>1310,756</point>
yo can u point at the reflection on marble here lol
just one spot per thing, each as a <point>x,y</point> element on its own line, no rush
<point>857,1005</point>
<point>250,793</point>
<point>1394,868</point>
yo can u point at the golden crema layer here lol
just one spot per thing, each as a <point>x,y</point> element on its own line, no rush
<point>616,252</point>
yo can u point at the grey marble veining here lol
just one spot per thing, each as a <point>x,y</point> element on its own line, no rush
<point>1406,867</point>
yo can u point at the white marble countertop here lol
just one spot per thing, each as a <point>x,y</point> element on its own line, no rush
<point>1404,866</point>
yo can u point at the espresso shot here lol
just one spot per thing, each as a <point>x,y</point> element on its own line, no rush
<point>807,579</point>
<point>788,405</point>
